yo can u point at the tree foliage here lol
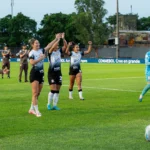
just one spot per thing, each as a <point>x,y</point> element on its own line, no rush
<point>17,29</point>
<point>144,24</point>
<point>56,23</point>
<point>5,28</point>
<point>89,21</point>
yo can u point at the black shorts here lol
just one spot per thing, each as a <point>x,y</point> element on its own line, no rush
<point>74,72</point>
<point>36,76</point>
<point>55,78</point>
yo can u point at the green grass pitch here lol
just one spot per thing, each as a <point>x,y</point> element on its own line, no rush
<point>110,118</point>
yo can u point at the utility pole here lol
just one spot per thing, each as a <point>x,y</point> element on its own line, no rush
<point>117,30</point>
<point>12,8</point>
<point>131,9</point>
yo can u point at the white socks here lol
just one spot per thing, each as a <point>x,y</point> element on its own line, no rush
<point>80,94</point>
<point>36,108</point>
<point>55,99</point>
<point>50,97</point>
<point>32,106</point>
<point>70,94</point>
<point>53,96</point>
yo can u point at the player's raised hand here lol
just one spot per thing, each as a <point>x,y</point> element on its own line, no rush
<point>57,36</point>
<point>90,42</point>
<point>70,43</point>
<point>60,35</point>
<point>63,35</point>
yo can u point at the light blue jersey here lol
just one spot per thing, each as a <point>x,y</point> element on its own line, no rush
<point>147,63</point>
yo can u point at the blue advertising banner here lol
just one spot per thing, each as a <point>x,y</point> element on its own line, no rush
<point>96,60</point>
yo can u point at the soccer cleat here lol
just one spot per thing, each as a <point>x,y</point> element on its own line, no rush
<point>49,107</point>
<point>70,97</point>
<point>38,114</point>
<point>32,112</point>
<point>140,98</point>
<point>19,80</point>
<point>81,98</point>
<point>8,77</point>
<point>55,108</point>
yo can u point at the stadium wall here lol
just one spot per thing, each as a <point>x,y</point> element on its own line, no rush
<point>127,52</point>
<point>133,52</point>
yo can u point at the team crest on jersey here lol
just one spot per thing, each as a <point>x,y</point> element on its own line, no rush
<point>60,78</point>
<point>52,81</point>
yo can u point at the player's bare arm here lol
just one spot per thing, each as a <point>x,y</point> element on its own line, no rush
<point>89,48</point>
<point>68,47</point>
<point>64,42</point>
<point>58,36</point>
<point>33,62</point>
<point>52,42</point>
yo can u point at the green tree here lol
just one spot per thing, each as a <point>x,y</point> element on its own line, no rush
<point>5,26</point>
<point>89,21</point>
<point>15,30</point>
<point>56,23</point>
<point>22,29</point>
<point>111,20</point>
<point>143,23</point>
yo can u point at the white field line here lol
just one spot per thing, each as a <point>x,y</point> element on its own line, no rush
<point>115,78</point>
<point>108,89</point>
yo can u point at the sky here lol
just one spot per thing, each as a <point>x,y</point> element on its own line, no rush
<point>36,9</point>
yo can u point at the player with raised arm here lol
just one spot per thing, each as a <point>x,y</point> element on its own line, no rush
<point>147,74</point>
<point>36,57</point>
<point>75,68</point>
<point>6,62</point>
<point>54,71</point>
<point>23,53</point>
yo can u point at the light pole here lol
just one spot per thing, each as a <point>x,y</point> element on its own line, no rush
<point>12,6</point>
<point>117,30</point>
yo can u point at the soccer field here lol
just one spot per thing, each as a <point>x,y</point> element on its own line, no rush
<point>110,118</point>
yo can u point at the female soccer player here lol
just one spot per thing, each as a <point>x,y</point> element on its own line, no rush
<point>23,62</point>
<point>147,74</point>
<point>54,71</point>
<point>36,57</point>
<point>6,62</point>
<point>75,69</point>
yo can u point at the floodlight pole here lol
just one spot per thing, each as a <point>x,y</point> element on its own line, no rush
<point>12,8</point>
<point>117,30</point>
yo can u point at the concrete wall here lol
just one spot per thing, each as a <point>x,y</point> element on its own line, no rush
<point>123,53</point>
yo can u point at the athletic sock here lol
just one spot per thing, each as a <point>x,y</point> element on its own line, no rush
<point>55,98</point>
<point>70,92</point>
<point>32,107</point>
<point>80,93</point>
<point>146,88</point>
<point>36,108</point>
<point>50,96</point>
